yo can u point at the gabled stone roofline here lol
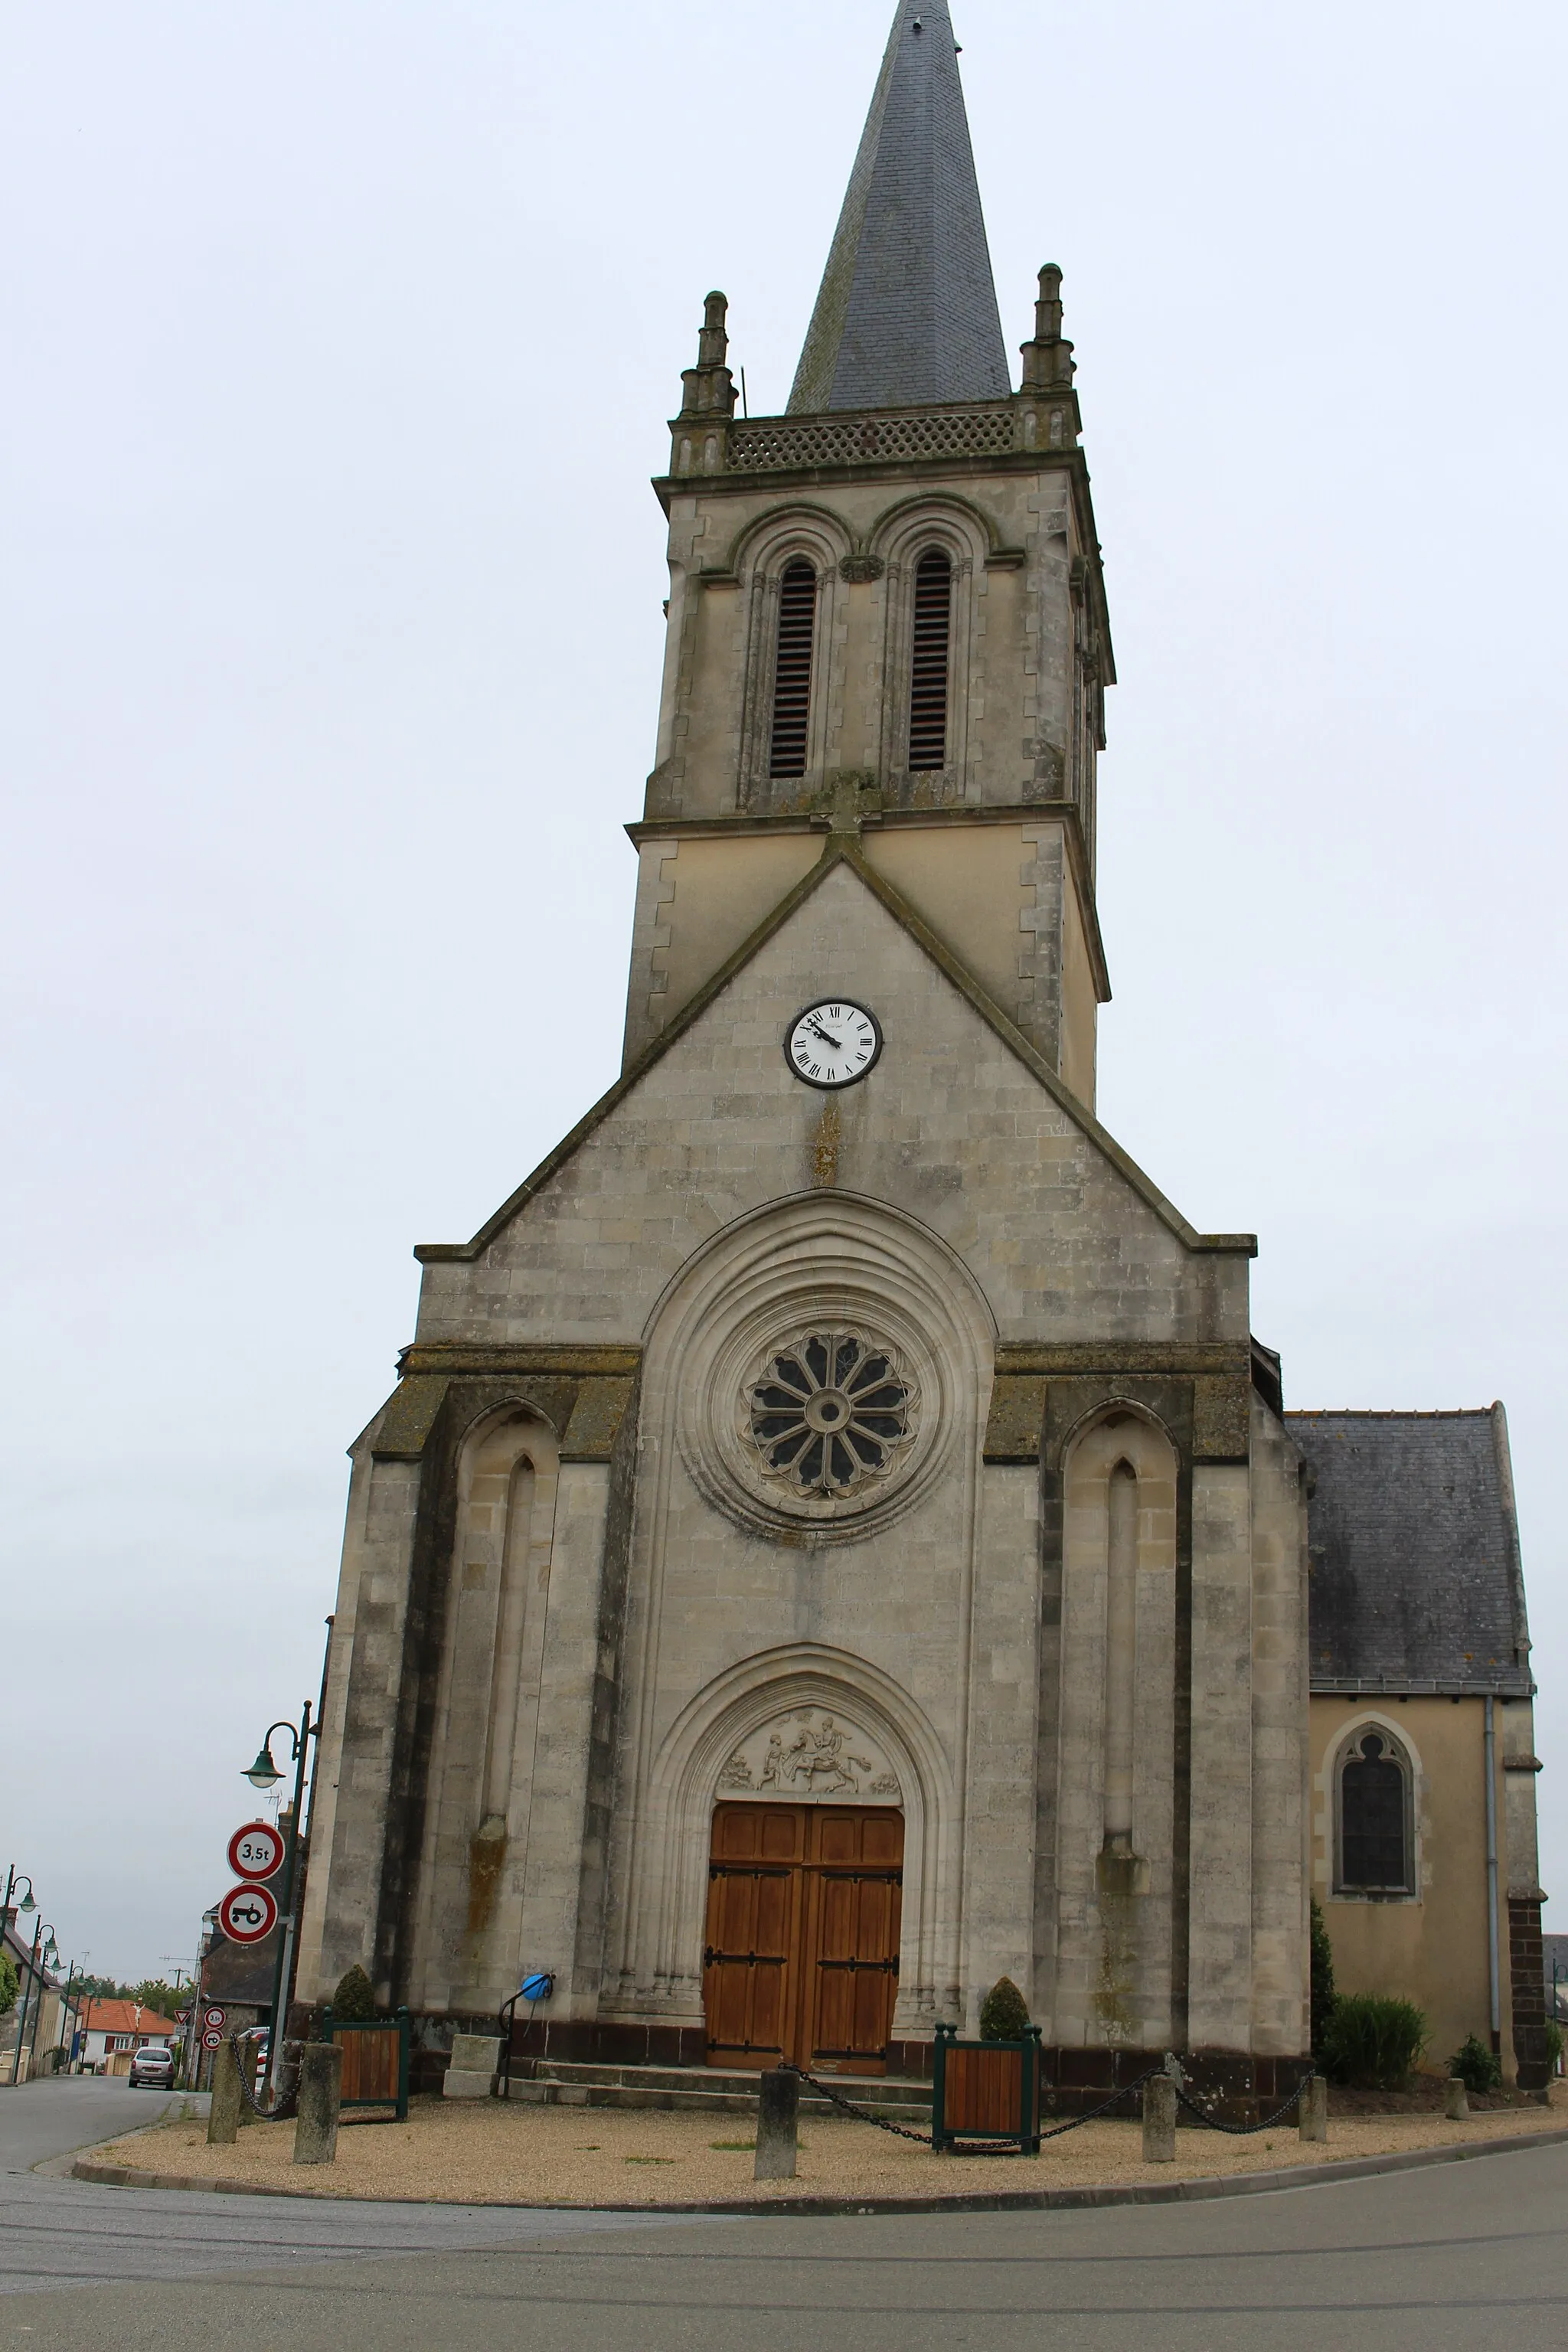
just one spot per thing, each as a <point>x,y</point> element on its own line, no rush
<point>966,812</point>
<point>842,849</point>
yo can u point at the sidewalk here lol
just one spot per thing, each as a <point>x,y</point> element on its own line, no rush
<point>489,2153</point>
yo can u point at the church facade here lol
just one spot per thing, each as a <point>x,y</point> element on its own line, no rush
<point>835,1540</point>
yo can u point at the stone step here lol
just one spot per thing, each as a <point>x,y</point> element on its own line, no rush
<point>704,2090</point>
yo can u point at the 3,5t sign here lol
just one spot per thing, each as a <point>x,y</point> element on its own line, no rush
<point>256,1851</point>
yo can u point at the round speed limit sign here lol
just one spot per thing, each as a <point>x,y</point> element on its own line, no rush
<point>256,1851</point>
<point>247,1914</point>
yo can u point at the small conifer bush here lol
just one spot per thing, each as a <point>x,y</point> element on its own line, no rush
<point>1003,2015</point>
<point>1478,2068</point>
<point>1372,2041</point>
<point>1322,1953</point>
<point>353,1998</point>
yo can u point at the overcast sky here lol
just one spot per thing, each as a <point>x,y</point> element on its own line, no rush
<point>340,343</point>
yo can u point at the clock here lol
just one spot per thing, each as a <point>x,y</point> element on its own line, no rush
<point>832,1044</point>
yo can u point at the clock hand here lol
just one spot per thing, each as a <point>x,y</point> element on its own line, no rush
<point>827,1038</point>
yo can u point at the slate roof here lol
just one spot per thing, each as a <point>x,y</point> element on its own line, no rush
<point>1415,1577</point>
<point>907,311</point>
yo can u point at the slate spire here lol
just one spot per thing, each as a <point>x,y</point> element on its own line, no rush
<point>907,310</point>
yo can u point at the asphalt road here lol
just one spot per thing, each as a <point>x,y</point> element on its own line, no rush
<point>1463,2257</point>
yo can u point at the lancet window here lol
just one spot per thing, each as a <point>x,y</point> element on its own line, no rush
<point>1374,1811</point>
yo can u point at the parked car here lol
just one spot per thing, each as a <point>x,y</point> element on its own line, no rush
<point>153,2066</point>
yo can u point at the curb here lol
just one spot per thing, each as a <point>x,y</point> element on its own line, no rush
<point>1028,2200</point>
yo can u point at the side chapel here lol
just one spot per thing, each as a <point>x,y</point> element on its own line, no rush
<point>835,1540</point>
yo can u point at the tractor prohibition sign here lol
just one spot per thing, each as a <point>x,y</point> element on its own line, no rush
<point>248,1915</point>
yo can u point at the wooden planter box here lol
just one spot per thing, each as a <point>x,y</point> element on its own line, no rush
<point>375,2062</point>
<point>986,2090</point>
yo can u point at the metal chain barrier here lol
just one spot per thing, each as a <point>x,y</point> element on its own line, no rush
<point>987,2147</point>
<point>286,2104</point>
<point>1245,2131</point>
<point>899,2131</point>
<point>1105,2106</point>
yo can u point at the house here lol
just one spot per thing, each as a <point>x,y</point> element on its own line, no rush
<point>113,2030</point>
<point>38,2019</point>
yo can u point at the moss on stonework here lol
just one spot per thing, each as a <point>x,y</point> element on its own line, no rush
<point>487,1852</point>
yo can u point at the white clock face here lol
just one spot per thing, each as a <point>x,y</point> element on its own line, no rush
<point>832,1044</point>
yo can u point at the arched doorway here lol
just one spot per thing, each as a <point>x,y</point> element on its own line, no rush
<point>801,1957</point>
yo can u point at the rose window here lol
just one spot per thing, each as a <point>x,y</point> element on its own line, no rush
<point>830,1412</point>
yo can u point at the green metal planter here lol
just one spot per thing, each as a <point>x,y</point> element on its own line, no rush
<point>375,2062</point>
<point>986,2090</point>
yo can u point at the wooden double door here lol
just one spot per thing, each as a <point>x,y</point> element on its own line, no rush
<point>801,1959</point>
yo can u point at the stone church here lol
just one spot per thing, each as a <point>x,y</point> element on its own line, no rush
<point>835,1540</point>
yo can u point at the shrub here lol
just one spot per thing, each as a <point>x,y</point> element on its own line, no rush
<point>10,1984</point>
<point>353,1998</point>
<point>1478,2068</point>
<point>1003,2015</point>
<point>1553,2043</point>
<point>1372,2041</point>
<point>1322,1978</point>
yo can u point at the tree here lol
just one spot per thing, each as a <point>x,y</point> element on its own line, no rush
<point>153,1993</point>
<point>10,1984</point>
<point>1003,2014</point>
<point>1323,1996</point>
<point>354,1996</point>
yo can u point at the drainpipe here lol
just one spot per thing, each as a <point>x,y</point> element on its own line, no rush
<point>1492,1971</point>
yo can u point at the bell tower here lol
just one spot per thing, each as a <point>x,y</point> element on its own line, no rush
<point>887,622</point>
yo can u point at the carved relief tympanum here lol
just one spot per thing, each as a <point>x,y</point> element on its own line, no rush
<point>811,1753</point>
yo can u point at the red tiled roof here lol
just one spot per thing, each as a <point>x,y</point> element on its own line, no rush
<point>126,2017</point>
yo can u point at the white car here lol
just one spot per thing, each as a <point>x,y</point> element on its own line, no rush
<point>153,2066</point>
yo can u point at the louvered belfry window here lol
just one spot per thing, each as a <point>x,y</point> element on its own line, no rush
<point>792,670</point>
<point>928,678</point>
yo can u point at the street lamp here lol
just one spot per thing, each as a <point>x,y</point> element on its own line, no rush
<point>265,1774</point>
<point>49,1955</point>
<point>39,1932</point>
<point>7,1916</point>
<point>68,2013</point>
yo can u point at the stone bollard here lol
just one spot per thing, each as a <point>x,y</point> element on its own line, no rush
<point>1312,2110</point>
<point>778,2109</point>
<point>476,2060</point>
<point>1456,2107</point>
<point>1160,2120</point>
<point>227,2100</point>
<point>319,2097</point>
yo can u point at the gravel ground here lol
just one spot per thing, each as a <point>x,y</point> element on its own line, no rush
<point>484,2153</point>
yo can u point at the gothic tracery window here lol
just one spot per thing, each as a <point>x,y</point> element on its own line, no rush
<point>830,1412</point>
<point>792,669</point>
<point>1375,1818</point>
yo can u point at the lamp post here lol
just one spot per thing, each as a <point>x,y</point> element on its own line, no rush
<point>13,1875</point>
<point>265,1774</point>
<point>68,2013</point>
<point>32,1980</point>
<point>51,1953</point>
